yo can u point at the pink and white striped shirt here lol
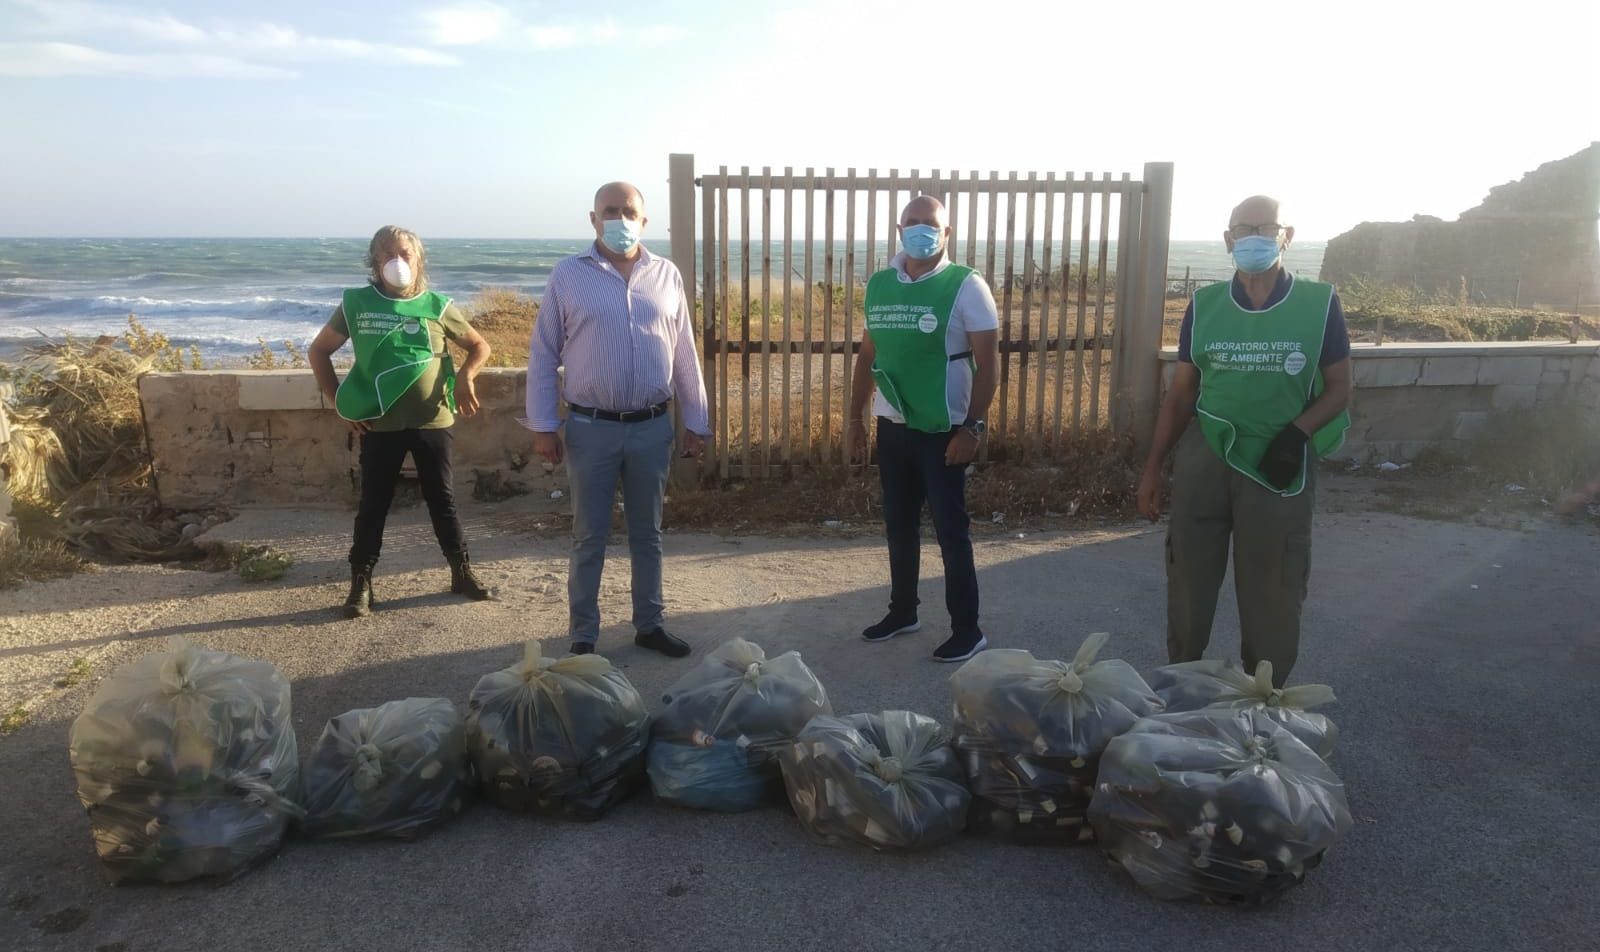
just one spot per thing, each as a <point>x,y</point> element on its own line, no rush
<point>625,344</point>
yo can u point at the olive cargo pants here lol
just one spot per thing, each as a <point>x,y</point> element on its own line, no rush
<point>1212,503</point>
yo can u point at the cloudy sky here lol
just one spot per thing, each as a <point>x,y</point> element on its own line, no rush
<point>484,119</point>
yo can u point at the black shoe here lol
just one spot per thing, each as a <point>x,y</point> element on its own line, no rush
<point>891,625</point>
<point>961,647</point>
<point>463,582</point>
<point>358,604</point>
<point>581,647</point>
<point>657,639</point>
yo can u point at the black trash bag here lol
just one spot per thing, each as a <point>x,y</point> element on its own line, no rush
<point>186,764</point>
<point>1031,732</point>
<point>716,742</point>
<point>394,770</point>
<point>890,781</point>
<point>1192,685</point>
<point>559,737</point>
<point>1220,805</point>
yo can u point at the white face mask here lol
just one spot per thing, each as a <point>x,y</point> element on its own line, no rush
<point>397,273</point>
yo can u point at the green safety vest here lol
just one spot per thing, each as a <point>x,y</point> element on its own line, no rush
<point>393,349</point>
<point>907,321</point>
<point>1258,371</point>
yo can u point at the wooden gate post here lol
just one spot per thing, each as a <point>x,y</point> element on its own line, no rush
<point>680,228</point>
<point>1138,348</point>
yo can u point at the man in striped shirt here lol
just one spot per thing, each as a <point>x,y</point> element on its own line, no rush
<point>616,320</point>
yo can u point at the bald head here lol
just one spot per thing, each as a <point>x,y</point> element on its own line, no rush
<point>1257,215</point>
<point>1255,210</point>
<point>923,210</point>
<point>615,196</point>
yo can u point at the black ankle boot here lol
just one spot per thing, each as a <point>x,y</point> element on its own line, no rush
<point>463,582</point>
<point>359,603</point>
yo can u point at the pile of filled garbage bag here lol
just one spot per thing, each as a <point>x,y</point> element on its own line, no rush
<point>1031,732</point>
<point>558,736</point>
<point>186,764</point>
<point>888,781</point>
<point>393,770</point>
<point>1206,783</point>
<point>1220,804</point>
<point>716,741</point>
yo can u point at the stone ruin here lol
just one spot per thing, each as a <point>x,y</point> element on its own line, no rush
<point>1531,243</point>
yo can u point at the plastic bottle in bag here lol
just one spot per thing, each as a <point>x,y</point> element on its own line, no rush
<point>1217,804</point>
<point>1031,733</point>
<point>558,736</point>
<point>1192,685</point>
<point>186,765</point>
<point>389,771</point>
<point>715,743</point>
<point>890,781</point>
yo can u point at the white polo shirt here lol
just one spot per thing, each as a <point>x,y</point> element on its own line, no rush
<point>974,310</point>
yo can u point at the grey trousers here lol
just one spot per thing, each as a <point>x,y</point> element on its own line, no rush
<point>599,454</point>
<point>1271,537</point>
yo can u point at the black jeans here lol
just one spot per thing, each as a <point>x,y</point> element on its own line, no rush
<point>912,468</point>
<point>381,457</point>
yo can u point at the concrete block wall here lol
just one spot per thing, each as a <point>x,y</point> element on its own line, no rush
<point>243,438</point>
<point>258,438</point>
<point>1409,397</point>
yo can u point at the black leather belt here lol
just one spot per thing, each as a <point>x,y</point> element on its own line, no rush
<point>626,416</point>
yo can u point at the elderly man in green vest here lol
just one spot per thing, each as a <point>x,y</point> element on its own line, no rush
<point>929,348</point>
<point>1264,364</point>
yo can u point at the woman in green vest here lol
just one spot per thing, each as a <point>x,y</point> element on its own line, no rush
<point>401,396</point>
<point>1264,366</point>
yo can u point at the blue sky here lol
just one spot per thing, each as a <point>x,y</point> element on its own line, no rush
<point>498,119</point>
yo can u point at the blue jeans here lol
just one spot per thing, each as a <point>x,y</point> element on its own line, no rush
<point>599,454</point>
<point>912,468</point>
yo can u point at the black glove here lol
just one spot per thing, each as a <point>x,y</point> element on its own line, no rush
<point>1281,462</point>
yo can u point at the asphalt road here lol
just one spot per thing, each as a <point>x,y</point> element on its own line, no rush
<point>1466,661</point>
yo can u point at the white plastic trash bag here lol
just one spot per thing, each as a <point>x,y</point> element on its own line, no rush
<point>716,740</point>
<point>890,781</point>
<point>1217,804</point>
<point>388,771</point>
<point>186,764</point>
<point>558,736</point>
<point>1031,732</point>
<point>1192,685</point>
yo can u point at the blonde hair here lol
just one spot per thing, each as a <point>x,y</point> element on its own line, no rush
<point>379,246</point>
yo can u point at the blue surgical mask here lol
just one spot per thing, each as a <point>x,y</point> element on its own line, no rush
<point>920,241</point>
<point>620,234</point>
<point>1256,253</point>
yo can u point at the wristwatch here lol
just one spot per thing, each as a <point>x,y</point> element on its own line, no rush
<point>976,427</point>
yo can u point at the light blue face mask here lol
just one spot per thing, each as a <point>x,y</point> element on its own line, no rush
<point>1256,253</point>
<point>620,234</point>
<point>920,241</point>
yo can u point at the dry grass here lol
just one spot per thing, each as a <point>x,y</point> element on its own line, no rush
<point>1091,478</point>
<point>505,319</point>
<point>77,458</point>
<point>1549,451</point>
<point>32,560</point>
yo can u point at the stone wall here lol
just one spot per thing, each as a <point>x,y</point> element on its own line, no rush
<point>1534,242</point>
<point>1409,397</point>
<point>264,437</point>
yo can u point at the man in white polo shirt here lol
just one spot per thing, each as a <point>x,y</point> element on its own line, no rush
<point>929,348</point>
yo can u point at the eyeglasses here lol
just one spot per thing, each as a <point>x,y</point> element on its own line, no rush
<point>1269,230</point>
